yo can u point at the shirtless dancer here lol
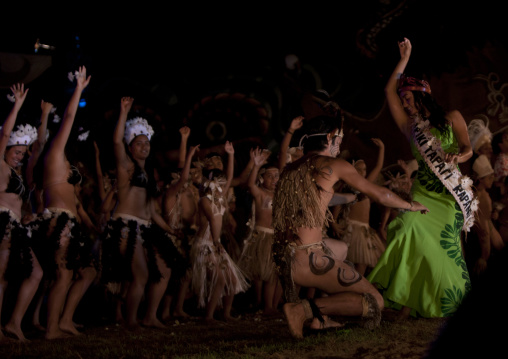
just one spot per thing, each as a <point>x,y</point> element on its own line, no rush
<point>180,208</point>
<point>302,256</point>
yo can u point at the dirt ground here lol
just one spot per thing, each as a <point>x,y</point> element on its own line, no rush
<point>251,335</point>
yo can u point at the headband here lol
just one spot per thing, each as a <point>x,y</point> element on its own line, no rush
<point>407,83</point>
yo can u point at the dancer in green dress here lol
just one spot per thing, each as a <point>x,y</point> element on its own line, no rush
<point>423,271</point>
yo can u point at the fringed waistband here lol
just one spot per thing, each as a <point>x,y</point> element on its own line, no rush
<point>11,213</point>
<point>308,247</point>
<point>264,229</point>
<point>58,210</point>
<point>128,217</point>
<point>358,223</point>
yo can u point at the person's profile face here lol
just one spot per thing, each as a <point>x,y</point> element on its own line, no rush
<point>408,102</point>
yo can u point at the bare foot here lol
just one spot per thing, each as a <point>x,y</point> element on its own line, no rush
<point>180,314</point>
<point>228,318</point>
<point>317,325</point>
<point>295,316</point>
<point>69,328</point>
<point>57,334</point>
<point>155,323</point>
<point>39,327</point>
<point>4,338</point>
<point>16,332</point>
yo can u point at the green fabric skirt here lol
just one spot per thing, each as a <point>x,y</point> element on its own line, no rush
<point>423,266</point>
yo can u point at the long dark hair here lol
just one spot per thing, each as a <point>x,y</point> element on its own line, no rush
<point>318,125</point>
<point>437,116</point>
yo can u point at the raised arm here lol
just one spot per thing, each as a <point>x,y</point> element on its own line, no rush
<point>244,175</point>
<point>228,147</point>
<point>118,143</point>
<point>38,145</point>
<point>185,172</point>
<point>182,153</point>
<point>57,148</point>
<point>19,94</point>
<point>258,156</point>
<point>380,160</point>
<point>399,115</point>
<point>296,123</point>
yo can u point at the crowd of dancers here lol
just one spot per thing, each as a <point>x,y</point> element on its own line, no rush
<point>156,241</point>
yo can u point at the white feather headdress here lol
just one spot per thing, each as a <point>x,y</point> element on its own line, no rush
<point>136,127</point>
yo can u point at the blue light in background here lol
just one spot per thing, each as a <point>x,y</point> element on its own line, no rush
<point>82,102</point>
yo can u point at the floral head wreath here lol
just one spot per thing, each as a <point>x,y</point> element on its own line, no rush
<point>407,83</point>
<point>212,183</point>
<point>479,133</point>
<point>136,127</point>
<point>25,135</point>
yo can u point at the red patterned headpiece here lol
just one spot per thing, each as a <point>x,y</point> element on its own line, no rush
<point>407,83</point>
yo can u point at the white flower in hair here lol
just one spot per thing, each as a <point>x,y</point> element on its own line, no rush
<point>83,136</point>
<point>56,118</point>
<point>136,127</point>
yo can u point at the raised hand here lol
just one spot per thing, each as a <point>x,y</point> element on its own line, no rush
<point>19,93</point>
<point>81,79</point>
<point>185,132</point>
<point>296,123</point>
<point>378,142</point>
<point>405,48</point>
<point>228,147</point>
<point>126,104</point>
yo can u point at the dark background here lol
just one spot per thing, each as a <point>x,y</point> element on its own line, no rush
<point>171,58</point>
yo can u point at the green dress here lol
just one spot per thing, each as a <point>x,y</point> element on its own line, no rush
<point>423,265</point>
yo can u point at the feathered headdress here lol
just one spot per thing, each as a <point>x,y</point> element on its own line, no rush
<point>25,135</point>
<point>479,133</point>
<point>136,127</point>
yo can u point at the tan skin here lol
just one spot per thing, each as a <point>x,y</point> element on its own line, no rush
<point>360,211</point>
<point>65,293</point>
<point>12,158</point>
<point>296,124</point>
<point>344,293</point>
<point>207,218</point>
<point>262,195</point>
<point>132,201</point>
<point>189,210</point>
<point>402,107</point>
<point>488,235</point>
